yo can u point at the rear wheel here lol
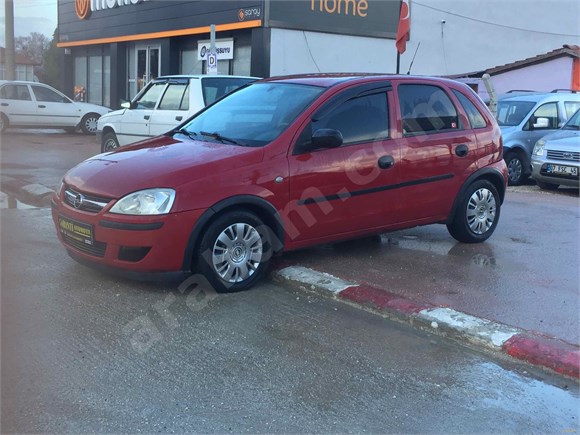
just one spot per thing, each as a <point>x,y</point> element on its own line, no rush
<point>477,213</point>
<point>89,123</point>
<point>515,167</point>
<point>547,186</point>
<point>109,142</point>
<point>235,251</point>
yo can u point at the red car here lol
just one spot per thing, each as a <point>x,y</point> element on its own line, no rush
<point>285,163</point>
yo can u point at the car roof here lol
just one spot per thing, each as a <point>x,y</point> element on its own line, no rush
<point>22,82</point>
<point>201,76</point>
<point>330,79</point>
<point>536,97</point>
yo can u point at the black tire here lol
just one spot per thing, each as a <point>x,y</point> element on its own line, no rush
<point>89,123</point>
<point>547,186</point>
<point>109,142</point>
<point>477,213</point>
<point>516,170</point>
<point>241,264</point>
<point>3,123</point>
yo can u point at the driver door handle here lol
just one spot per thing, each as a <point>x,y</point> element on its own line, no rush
<point>178,118</point>
<point>147,117</point>
<point>386,162</point>
<point>41,106</point>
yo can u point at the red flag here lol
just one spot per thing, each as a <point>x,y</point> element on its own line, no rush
<point>404,27</point>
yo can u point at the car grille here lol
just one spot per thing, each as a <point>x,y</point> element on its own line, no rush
<point>564,155</point>
<point>97,248</point>
<point>84,202</point>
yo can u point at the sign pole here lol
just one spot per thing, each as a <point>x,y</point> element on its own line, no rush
<point>212,56</point>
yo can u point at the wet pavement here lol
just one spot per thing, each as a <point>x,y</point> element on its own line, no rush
<point>83,352</point>
<point>526,275</point>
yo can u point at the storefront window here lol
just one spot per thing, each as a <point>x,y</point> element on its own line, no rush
<point>80,84</point>
<point>242,60</point>
<point>92,78</point>
<point>189,63</point>
<point>95,94</point>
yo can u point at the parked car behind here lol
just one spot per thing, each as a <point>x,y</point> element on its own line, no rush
<point>524,118</point>
<point>282,164</point>
<point>164,103</point>
<point>556,157</point>
<point>36,105</point>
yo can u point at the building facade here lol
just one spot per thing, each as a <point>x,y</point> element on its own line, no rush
<point>110,48</point>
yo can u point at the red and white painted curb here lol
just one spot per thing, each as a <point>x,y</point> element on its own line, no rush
<point>534,348</point>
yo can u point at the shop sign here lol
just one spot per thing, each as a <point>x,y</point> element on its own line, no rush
<point>224,49</point>
<point>83,8</point>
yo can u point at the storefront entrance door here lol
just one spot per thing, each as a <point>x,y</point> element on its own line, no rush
<point>148,61</point>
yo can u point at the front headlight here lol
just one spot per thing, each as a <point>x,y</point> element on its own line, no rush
<point>539,148</point>
<point>145,202</point>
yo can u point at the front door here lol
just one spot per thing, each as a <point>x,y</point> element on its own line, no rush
<point>350,188</point>
<point>54,108</point>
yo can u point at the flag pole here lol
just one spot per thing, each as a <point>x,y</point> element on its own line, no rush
<point>398,61</point>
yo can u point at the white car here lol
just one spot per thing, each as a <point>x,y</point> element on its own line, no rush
<point>162,105</point>
<point>34,105</point>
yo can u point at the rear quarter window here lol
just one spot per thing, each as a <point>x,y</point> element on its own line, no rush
<point>426,109</point>
<point>476,119</point>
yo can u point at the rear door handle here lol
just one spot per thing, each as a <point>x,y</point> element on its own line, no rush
<point>461,150</point>
<point>178,118</point>
<point>5,104</point>
<point>386,162</point>
<point>147,117</point>
<point>41,106</point>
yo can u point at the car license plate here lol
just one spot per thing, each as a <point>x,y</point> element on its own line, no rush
<point>562,170</point>
<point>76,230</point>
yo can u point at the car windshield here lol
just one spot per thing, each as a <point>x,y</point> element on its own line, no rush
<point>513,112</point>
<point>254,115</point>
<point>574,122</point>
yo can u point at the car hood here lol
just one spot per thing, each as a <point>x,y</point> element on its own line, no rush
<point>159,162</point>
<point>87,107</point>
<point>563,140</point>
<point>110,115</point>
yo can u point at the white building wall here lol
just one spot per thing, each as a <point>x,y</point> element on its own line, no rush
<point>297,52</point>
<point>476,35</point>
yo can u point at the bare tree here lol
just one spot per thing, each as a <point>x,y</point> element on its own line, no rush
<point>33,46</point>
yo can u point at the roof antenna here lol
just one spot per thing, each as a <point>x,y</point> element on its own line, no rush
<point>413,60</point>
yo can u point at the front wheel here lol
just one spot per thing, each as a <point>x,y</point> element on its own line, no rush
<point>235,251</point>
<point>477,213</point>
<point>89,123</point>
<point>109,142</point>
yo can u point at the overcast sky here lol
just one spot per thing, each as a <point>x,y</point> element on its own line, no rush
<point>30,16</point>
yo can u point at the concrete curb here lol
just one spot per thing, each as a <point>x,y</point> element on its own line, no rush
<point>540,350</point>
<point>34,194</point>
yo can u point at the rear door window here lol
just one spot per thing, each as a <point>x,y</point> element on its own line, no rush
<point>426,109</point>
<point>176,97</point>
<point>15,92</point>
<point>476,119</point>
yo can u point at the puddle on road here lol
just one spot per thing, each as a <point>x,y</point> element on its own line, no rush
<point>10,202</point>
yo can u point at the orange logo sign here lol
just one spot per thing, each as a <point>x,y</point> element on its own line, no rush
<point>83,8</point>
<point>241,15</point>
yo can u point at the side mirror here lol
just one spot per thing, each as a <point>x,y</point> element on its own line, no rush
<point>541,123</point>
<point>326,138</point>
<point>126,104</point>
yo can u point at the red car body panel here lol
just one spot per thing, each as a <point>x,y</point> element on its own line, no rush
<point>318,196</point>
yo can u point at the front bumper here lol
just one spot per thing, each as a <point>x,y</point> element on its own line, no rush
<point>145,244</point>
<point>539,173</point>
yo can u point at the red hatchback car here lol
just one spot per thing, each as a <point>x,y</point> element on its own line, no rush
<point>285,163</point>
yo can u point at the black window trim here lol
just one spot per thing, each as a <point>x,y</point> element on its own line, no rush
<point>460,126</point>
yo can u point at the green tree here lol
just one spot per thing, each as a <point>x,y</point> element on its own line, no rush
<point>51,63</point>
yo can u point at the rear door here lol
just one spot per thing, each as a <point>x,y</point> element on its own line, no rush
<point>54,108</point>
<point>349,188</point>
<point>172,108</point>
<point>16,102</point>
<point>437,148</point>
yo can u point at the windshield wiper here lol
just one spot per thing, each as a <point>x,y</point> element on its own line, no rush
<point>190,134</point>
<point>221,138</point>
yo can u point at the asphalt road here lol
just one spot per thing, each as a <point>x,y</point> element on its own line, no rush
<point>83,352</point>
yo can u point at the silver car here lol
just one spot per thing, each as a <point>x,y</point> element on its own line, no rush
<point>556,157</point>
